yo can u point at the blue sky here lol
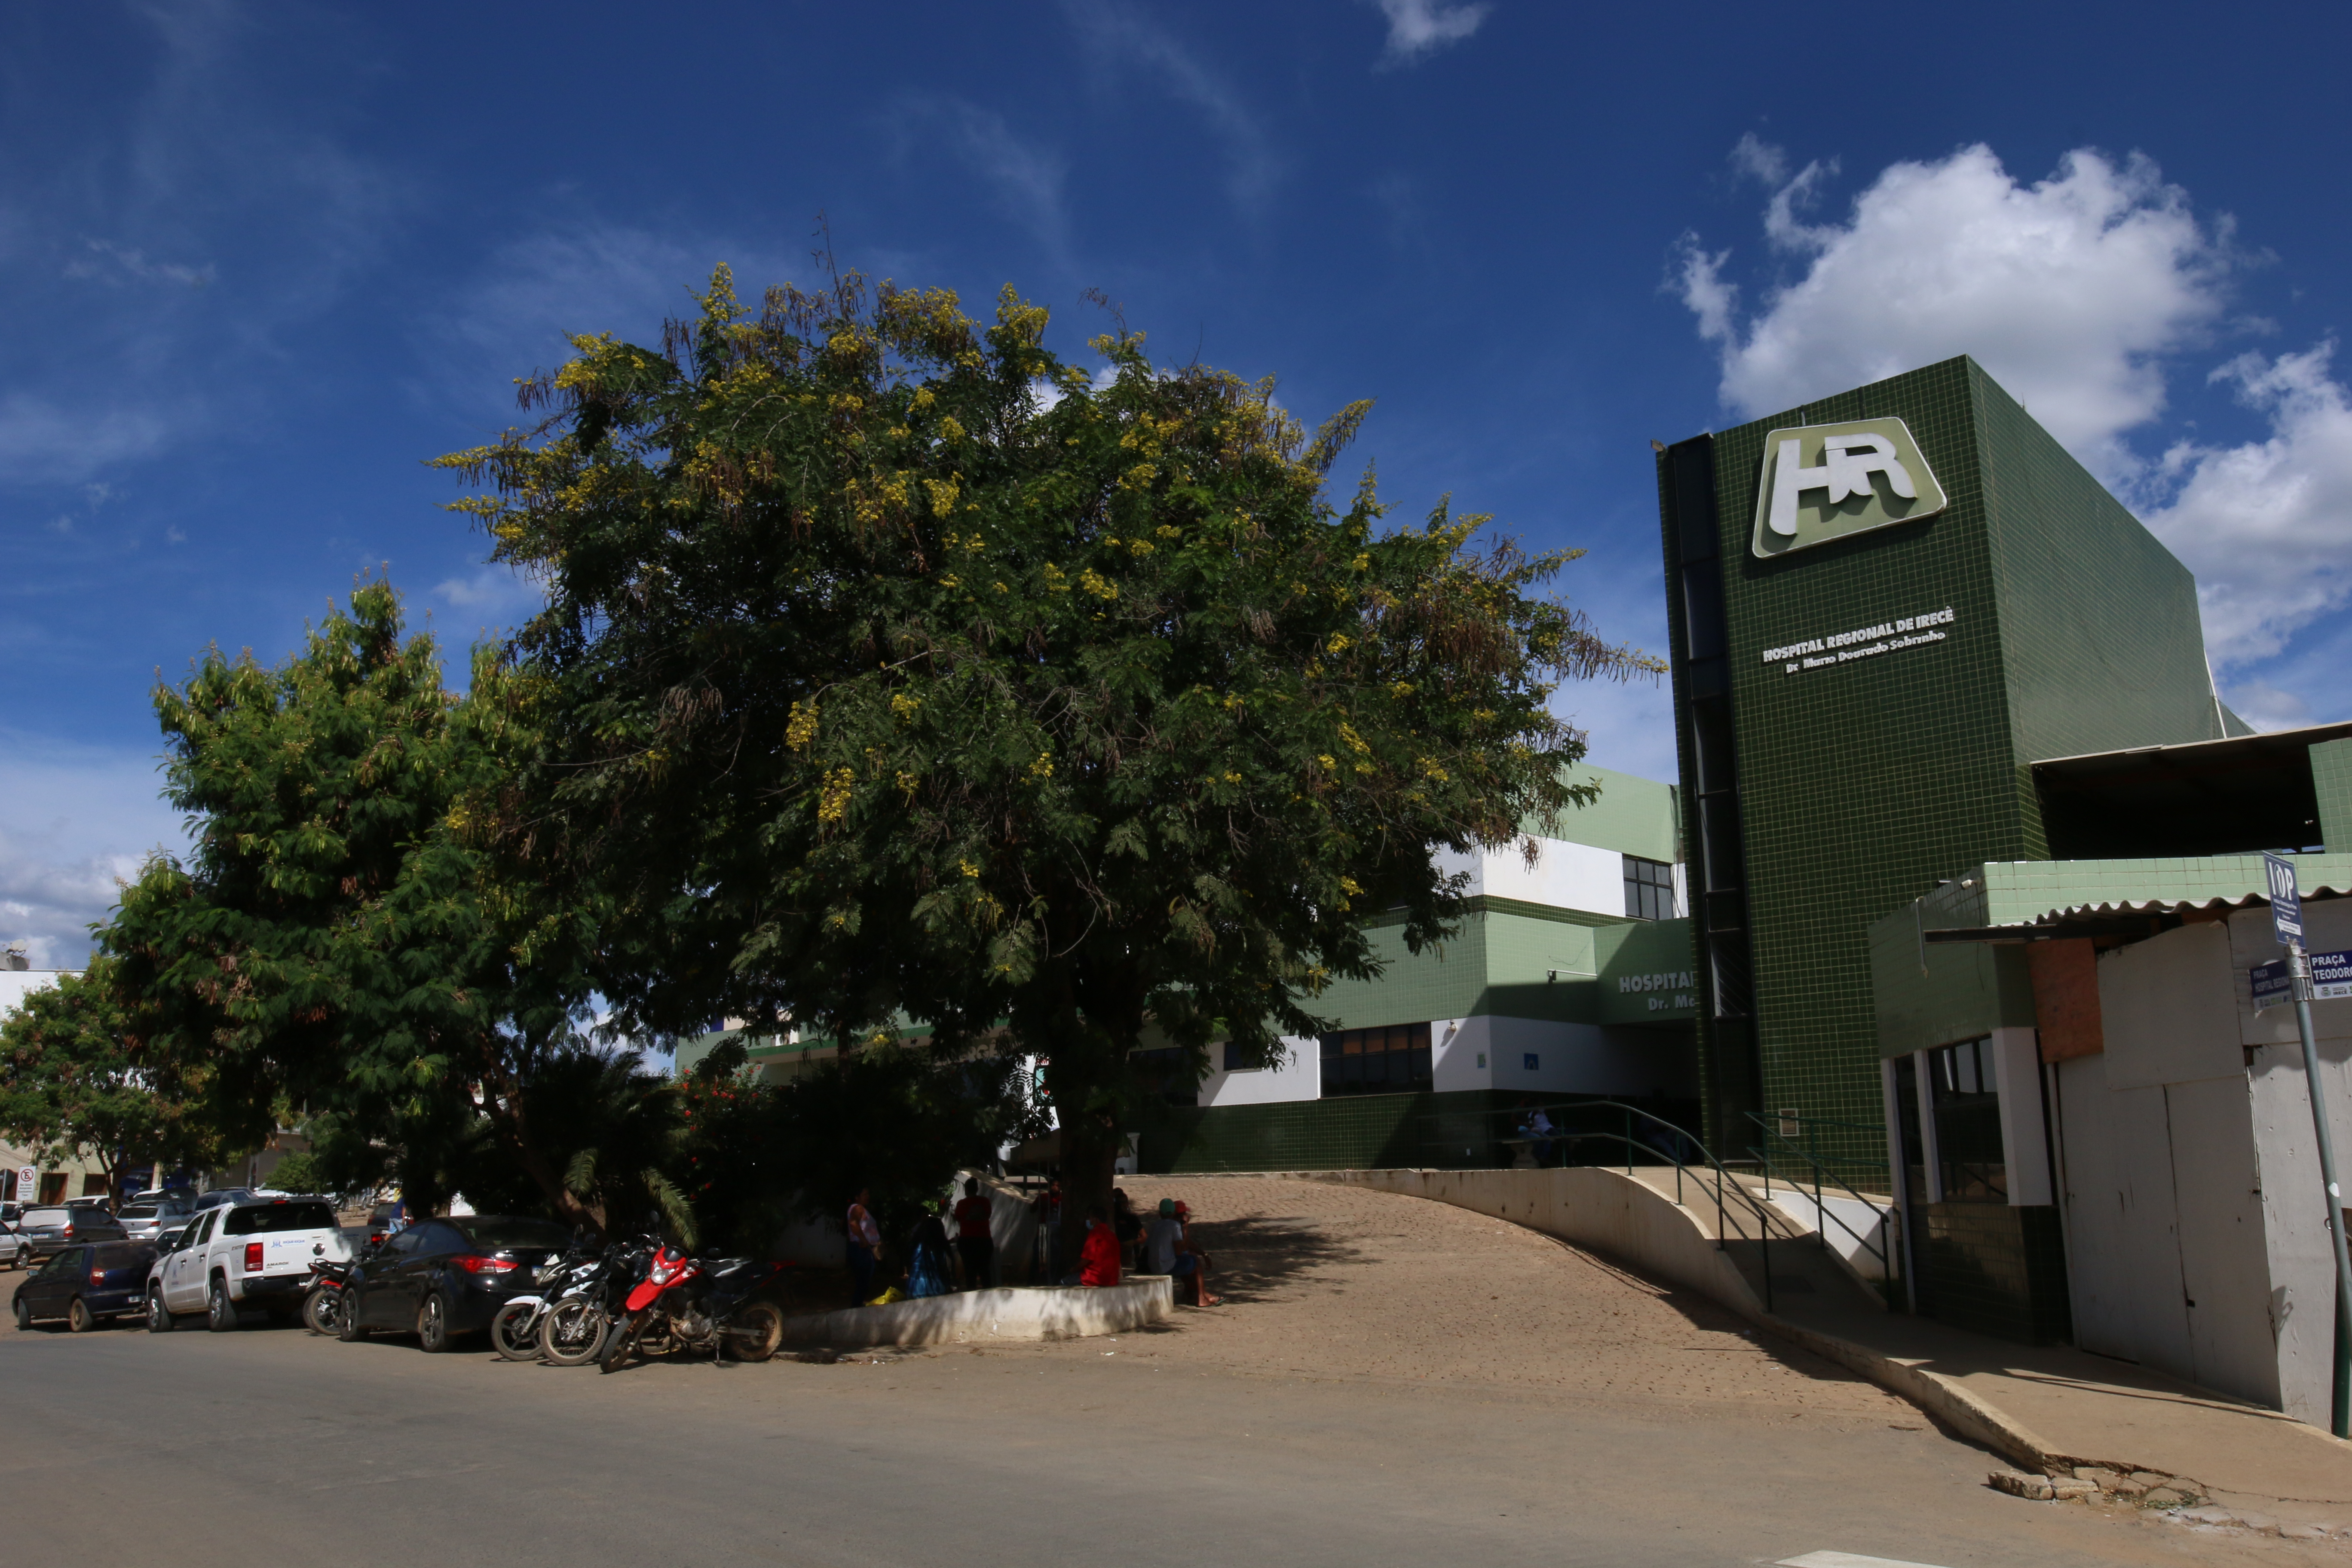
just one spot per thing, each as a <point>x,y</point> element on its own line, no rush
<point>257,261</point>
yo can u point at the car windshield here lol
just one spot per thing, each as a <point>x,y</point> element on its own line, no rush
<point>262,1218</point>
<point>499,1233</point>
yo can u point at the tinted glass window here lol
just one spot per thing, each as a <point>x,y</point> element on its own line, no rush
<point>497,1233</point>
<point>210,1223</point>
<point>435,1238</point>
<point>272,1217</point>
<point>45,1216</point>
<point>137,1210</point>
<point>67,1261</point>
<point>405,1242</point>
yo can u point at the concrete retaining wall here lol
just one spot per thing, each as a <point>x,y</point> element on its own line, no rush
<point>1046,1312</point>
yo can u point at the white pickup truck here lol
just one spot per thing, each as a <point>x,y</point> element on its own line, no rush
<point>254,1253</point>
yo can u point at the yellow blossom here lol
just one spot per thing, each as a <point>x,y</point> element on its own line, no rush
<point>801,728</point>
<point>833,801</point>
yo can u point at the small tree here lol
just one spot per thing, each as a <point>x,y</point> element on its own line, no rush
<point>895,668</point>
<point>337,939</point>
<point>73,1085</point>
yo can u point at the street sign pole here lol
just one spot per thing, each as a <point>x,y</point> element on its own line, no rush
<point>2286,921</point>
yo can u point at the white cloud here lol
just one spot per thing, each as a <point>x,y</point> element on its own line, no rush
<point>2069,291</point>
<point>40,440</point>
<point>2076,293</point>
<point>2266,707</point>
<point>115,262</point>
<point>502,594</point>
<point>74,820</point>
<point>1418,27</point>
<point>1026,180</point>
<point>2266,525</point>
<point>1121,32</point>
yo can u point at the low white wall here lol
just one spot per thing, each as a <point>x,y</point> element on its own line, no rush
<point>1857,1217</point>
<point>1046,1312</point>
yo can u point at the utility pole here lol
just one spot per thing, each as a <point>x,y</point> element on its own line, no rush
<point>2287,922</point>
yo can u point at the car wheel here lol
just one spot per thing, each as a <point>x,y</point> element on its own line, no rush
<point>347,1319</point>
<point>433,1324</point>
<point>78,1317</point>
<point>23,1313</point>
<point>220,1312</point>
<point>159,1316</point>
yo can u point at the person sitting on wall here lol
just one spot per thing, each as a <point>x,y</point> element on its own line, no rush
<point>1098,1257</point>
<point>1192,1264</point>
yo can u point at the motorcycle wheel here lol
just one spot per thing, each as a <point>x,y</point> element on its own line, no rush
<point>619,1344</point>
<point>322,1313</point>
<point>754,1333</point>
<point>571,1333</point>
<point>514,1332</point>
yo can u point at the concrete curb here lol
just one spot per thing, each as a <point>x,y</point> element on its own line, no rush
<point>1043,1312</point>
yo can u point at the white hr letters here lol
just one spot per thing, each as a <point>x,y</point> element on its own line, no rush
<point>1848,459</point>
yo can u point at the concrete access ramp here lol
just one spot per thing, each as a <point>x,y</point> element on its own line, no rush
<point>973,1317</point>
<point>2047,1408</point>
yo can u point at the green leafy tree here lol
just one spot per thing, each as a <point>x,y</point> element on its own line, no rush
<point>894,668</point>
<point>73,1085</point>
<point>336,940</point>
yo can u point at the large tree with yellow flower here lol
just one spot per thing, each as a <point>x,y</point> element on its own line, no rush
<point>898,670</point>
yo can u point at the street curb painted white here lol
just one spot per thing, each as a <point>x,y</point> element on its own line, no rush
<point>1022,1313</point>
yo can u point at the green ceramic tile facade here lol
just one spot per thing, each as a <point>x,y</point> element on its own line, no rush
<point>1634,816</point>
<point>1996,1269</point>
<point>1370,1132</point>
<point>1863,783</point>
<point>2331,778</point>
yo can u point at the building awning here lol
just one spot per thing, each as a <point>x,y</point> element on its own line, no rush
<point>2130,919</point>
<point>2207,797</point>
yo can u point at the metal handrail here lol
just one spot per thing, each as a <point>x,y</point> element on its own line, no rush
<point>1764,1216</point>
<point>1885,1251</point>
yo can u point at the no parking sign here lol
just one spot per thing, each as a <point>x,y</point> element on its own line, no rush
<point>28,1179</point>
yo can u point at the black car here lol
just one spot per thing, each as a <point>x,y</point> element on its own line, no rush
<point>443,1278</point>
<point>51,1227</point>
<point>85,1284</point>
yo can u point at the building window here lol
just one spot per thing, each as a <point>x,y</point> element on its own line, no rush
<point>1394,1060</point>
<point>1237,1059</point>
<point>1967,1102</point>
<point>1169,1073</point>
<point>1649,888</point>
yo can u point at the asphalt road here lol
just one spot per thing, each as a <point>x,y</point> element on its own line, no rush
<point>272,1446</point>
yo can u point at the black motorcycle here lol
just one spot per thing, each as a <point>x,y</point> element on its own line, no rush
<point>327,1296</point>
<point>578,1317</point>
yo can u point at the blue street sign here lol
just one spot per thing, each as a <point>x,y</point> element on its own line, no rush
<point>2331,980</point>
<point>2286,903</point>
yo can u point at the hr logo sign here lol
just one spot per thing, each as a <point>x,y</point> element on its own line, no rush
<point>1825,481</point>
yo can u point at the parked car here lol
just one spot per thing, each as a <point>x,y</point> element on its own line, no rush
<point>47,1231</point>
<point>11,1213</point>
<point>255,1253</point>
<point>148,1214</point>
<point>220,1195</point>
<point>441,1278</point>
<point>86,1285</point>
<point>12,1246</point>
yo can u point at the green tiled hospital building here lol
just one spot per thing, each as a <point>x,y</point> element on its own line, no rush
<point>1833,770</point>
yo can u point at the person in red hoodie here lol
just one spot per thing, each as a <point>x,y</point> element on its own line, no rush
<point>1098,1258</point>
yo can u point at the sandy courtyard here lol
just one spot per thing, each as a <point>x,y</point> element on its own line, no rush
<point>1327,1281</point>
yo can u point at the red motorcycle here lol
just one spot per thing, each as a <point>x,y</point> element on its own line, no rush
<point>688,1303</point>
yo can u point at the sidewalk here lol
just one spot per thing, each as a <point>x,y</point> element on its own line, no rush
<point>2059,1407</point>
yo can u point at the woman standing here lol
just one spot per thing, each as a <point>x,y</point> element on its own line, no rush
<point>865,1249</point>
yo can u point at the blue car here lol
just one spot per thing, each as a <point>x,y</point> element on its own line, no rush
<point>83,1284</point>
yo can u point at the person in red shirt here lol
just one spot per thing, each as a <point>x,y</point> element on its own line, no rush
<point>1098,1258</point>
<point>973,1239</point>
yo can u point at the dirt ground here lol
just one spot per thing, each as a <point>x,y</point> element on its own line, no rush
<point>1327,1281</point>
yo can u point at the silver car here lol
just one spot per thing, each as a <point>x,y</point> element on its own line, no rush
<point>148,1215</point>
<point>12,1246</point>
